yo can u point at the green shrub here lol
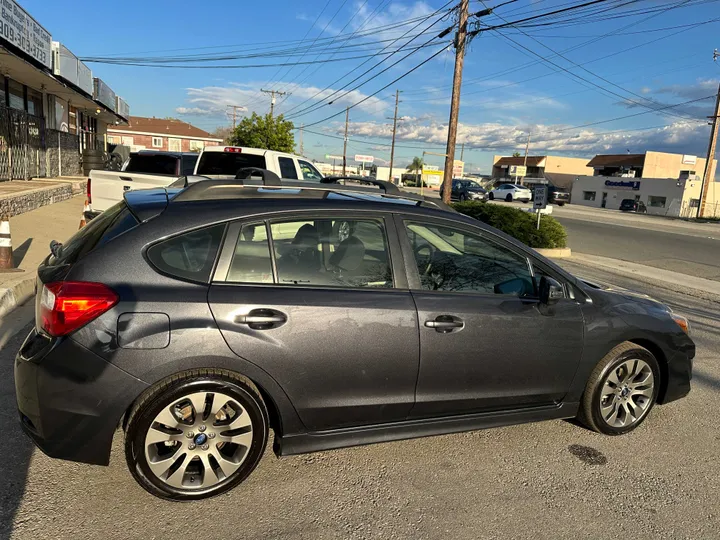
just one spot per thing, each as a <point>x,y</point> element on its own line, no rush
<point>518,224</point>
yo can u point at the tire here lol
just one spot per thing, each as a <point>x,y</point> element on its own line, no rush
<point>622,357</point>
<point>491,196</point>
<point>508,198</point>
<point>216,463</point>
<point>561,204</point>
<point>462,197</point>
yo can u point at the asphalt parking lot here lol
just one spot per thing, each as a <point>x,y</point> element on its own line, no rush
<point>548,480</point>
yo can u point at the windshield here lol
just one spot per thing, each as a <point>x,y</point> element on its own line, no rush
<point>227,163</point>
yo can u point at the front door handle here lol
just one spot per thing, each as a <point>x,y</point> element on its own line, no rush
<point>262,319</point>
<point>445,323</point>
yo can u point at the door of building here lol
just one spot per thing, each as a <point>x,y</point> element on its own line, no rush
<point>604,200</point>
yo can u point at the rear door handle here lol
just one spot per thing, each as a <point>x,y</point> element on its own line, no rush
<point>445,323</point>
<point>262,319</point>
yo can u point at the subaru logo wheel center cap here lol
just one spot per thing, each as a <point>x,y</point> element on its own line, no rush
<point>200,439</point>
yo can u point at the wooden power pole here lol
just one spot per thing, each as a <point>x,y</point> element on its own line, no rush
<point>273,93</point>
<point>302,150</point>
<point>460,42</point>
<point>345,139</point>
<point>707,177</point>
<point>527,147</point>
<point>234,113</point>
<point>462,152</point>
<point>392,147</point>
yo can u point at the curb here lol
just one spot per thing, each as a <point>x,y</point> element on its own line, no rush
<point>555,253</point>
<point>17,294</point>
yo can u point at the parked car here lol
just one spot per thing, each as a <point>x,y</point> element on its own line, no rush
<point>464,190</point>
<point>151,169</point>
<point>510,192</point>
<point>198,319</point>
<point>631,205</point>
<point>142,170</point>
<point>558,195</point>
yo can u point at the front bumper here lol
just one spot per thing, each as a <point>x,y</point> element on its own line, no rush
<point>679,374</point>
<point>69,399</point>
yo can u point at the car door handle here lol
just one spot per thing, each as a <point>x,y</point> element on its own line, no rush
<point>262,319</point>
<point>445,323</point>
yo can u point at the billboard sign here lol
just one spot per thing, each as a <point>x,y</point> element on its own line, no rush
<point>21,30</point>
<point>364,159</point>
<point>330,156</point>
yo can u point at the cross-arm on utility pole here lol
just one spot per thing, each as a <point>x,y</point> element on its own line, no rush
<point>392,147</point>
<point>273,93</point>
<point>709,172</point>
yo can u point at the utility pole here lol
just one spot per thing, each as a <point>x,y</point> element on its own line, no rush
<point>460,42</point>
<point>707,177</point>
<point>527,147</point>
<point>273,93</point>
<point>234,113</point>
<point>392,148</point>
<point>345,139</point>
<point>301,139</point>
<point>462,152</point>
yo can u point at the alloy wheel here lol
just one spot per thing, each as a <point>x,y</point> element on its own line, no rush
<point>627,393</point>
<point>198,440</point>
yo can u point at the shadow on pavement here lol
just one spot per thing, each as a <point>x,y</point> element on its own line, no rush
<point>706,380</point>
<point>18,253</point>
<point>15,447</point>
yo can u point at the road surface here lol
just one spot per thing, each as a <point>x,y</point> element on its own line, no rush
<point>551,480</point>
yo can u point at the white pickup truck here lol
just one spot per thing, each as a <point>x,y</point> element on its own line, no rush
<point>147,169</point>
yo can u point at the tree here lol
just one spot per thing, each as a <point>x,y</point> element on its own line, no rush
<point>516,154</point>
<point>223,133</point>
<point>416,165</point>
<point>271,133</point>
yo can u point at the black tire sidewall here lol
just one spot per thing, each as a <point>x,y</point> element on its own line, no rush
<point>463,197</point>
<point>140,423</point>
<point>640,354</point>
<point>509,198</point>
<point>491,197</point>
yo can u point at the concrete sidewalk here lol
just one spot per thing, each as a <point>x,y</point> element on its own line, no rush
<point>31,235</point>
<point>20,196</point>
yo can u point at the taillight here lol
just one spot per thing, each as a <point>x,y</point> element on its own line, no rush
<point>89,194</point>
<point>66,306</point>
<point>233,149</point>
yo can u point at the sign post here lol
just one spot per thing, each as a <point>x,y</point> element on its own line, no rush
<point>540,201</point>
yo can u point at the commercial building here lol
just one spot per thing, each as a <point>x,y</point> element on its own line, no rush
<point>648,165</point>
<point>539,166</point>
<point>51,107</point>
<point>161,134</point>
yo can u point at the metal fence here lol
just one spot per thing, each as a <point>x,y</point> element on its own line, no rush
<point>22,145</point>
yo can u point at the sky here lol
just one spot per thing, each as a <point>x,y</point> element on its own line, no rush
<point>579,85</point>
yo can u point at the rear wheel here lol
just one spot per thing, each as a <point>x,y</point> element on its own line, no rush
<point>196,435</point>
<point>491,196</point>
<point>561,204</point>
<point>462,197</point>
<point>508,198</point>
<point>621,390</point>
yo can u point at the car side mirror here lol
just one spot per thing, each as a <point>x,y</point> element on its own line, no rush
<point>550,291</point>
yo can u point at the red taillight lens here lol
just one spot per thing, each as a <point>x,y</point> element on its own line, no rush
<point>233,149</point>
<point>65,306</point>
<point>89,194</point>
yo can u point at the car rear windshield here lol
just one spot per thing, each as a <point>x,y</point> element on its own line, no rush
<point>113,222</point>
<point>227,163</point>
<point>153,164</point>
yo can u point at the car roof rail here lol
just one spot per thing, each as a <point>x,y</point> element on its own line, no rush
<point>388,187</point>
<point>268,178</point>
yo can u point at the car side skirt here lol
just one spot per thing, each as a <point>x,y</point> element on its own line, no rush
<point>408,429</point>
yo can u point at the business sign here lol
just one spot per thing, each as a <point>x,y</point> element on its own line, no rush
<point>518,170</point>
<point>122,108</point>
<point>364,159</point>
<point>540,197</point>
<point>689,160</point>
<point>458,168</point>
<point>620,184</point>
<point>103,93</point>
<point>431,168</point>
<point>20,29</point>
<point>328,156</point>
<point>85,79</point>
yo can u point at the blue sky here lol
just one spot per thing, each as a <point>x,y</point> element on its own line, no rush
<point>646,59</point>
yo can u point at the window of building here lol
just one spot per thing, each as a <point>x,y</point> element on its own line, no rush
<point>694,203</point>
<point>157,142</point>
<point>174,145</point>
<point>127,141</point>
<point>196,146</point>
<point>452,260</point>
<point>589,195</point>
<point>658,202</point>
<point>34,102</point>
<point>287,168</point>
<point>114,140</point>
<point>16,95</point>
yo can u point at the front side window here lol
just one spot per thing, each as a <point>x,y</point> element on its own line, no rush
<point>309,172</point>
<point>287,168</point>
<point>451,260</point>
<point>189,256</point>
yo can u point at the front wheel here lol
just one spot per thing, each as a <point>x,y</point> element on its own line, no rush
<point>508,198</point>
<point>196,435</point>
<point>462,197</point>
<point>491,196</point>
<point>621,390</point>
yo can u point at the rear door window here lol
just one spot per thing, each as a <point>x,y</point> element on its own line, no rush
<point>287,168</point>
<point>189,256</point>
<point>227,163</point>
<point>188,165</point>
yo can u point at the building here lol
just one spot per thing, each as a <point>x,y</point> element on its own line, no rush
<point>161,134</point>
<point>648,165</point>
<point>539,166</point>
<point>51,107</point>
<point>668,184</point>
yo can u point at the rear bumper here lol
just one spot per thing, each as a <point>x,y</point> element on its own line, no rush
<point>69,399</point>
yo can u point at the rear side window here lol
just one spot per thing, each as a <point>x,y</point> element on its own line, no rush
<point>188,165</point>
<point>287,168</point>
<point>227,163</point>
<point>189,256</point>
<point>114,221</point>
<point>152,164</point>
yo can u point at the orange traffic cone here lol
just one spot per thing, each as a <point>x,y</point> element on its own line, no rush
<point>86,208</point>
<point>6,255</point>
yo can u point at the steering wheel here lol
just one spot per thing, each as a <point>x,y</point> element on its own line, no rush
<point>424,255</point>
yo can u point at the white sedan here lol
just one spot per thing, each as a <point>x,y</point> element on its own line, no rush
<point>510,192</point>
